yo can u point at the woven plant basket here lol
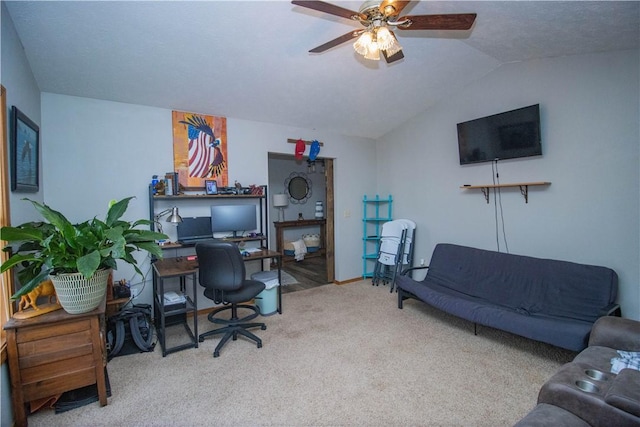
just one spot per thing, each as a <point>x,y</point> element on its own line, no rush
<point>78,295</point>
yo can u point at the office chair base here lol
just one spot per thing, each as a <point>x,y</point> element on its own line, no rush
<point>234,327</point>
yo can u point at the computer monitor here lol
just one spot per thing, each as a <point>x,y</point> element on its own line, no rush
<point>236,219</point>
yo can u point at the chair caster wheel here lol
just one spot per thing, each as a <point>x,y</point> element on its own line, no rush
<point>216,354</point>
<point>263,327</point>
<point>259,345</point>
<point>200,339</point>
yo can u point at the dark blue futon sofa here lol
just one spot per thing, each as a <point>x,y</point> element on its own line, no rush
<point>556,302</point>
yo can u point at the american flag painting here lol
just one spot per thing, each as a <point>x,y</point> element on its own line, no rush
<point>199,149</point>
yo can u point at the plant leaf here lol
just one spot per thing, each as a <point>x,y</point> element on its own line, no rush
<point>18,234</point>
<point>117,210</point>
<point>58,220</point>
<point>88,264</point>
<point>17,259</point>
<point>31,285</point>
<point>152,247</point>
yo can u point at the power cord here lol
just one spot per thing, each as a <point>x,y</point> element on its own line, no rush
<point>497,200</point>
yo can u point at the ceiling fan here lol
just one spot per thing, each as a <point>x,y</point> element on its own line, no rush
<point>377,16</point>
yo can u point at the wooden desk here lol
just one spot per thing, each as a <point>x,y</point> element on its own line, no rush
<point>183,268</point>
<point>171,267</point>
<point>54,353</point>
<point>282,225</point>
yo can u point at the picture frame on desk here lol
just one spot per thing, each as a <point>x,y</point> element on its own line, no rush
<point>211,186</point>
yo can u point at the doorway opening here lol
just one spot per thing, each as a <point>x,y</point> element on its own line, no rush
<point>315,180</point>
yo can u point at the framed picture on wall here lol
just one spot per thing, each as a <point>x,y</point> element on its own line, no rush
<point>211,186</point>
<point>25,153</point>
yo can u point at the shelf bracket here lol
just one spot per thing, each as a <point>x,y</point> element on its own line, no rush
<point>486,191</point>
<point>524,190</point>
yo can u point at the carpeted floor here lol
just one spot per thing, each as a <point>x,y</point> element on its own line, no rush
<point>338,355</point>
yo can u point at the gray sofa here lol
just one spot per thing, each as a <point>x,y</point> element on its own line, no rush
<point>585,392</point>
<point>552,301</point>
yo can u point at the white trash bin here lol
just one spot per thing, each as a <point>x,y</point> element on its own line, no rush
<point>267,300</point>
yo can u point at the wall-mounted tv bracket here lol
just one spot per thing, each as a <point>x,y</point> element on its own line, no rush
<point>524,188</point>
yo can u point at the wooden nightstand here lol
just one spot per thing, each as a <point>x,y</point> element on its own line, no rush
<point>54,353</point>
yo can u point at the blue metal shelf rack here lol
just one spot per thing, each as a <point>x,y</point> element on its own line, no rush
<point>375,212</point>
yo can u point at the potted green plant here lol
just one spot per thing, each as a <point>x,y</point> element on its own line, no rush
<point>82,255</point>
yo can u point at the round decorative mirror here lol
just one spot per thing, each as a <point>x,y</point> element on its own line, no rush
<point>298,187</point>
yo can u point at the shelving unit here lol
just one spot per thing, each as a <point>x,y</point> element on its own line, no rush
<point>186,271</point>
<point>179,199</point>
<point>166,314</point>
<point>375,212</point>
<point>524,188</point>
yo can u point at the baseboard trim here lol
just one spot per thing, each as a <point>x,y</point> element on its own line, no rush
<point>344,282</point>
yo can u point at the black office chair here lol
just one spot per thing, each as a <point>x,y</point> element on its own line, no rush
<point>222,273</point>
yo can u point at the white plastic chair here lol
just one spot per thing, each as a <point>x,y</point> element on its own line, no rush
<point>393,251</point>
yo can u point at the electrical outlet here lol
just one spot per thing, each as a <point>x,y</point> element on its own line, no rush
<point>421,262</point>
<point>347,213</point>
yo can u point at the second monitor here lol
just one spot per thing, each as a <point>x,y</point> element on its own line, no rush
<point>235,219</point>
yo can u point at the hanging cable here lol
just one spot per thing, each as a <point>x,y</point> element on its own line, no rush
<point>499,197</point>
<point>494,165</point>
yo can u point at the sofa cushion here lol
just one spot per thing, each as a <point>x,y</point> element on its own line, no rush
<point>616,332</point>
<point>562,332</point>
<point>596,357</point>
<point>545,415</point>
<point>572,389</point>
<point>530,285</point>
<point>624,392</point>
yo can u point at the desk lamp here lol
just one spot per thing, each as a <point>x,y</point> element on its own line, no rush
<point>174,218</point>
<point>280,201</point>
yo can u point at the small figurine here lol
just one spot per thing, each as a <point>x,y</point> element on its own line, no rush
<point>44,289</point>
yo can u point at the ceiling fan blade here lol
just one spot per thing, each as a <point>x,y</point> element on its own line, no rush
<point>331,9</point>
<point>392,7</point>
<point>457,21</point>
<point>335,42</point>
<point>393,58</point>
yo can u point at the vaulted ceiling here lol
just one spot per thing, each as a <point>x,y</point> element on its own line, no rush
<point>249,59</point>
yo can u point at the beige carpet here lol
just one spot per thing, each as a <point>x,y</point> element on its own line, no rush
<point>338,355</point>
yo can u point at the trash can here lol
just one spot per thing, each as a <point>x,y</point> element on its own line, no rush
<point>267,300</point>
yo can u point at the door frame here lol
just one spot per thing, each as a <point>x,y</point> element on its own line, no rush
<point>329,209</point>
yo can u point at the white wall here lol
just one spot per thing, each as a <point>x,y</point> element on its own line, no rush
<point>590,138</point>
<point>23,92</point>
<point>101,150</point>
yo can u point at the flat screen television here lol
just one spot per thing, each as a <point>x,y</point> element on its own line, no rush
<point>507,135</point>
<point>235,219</point>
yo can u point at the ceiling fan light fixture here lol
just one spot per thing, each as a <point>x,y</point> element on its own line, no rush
<point>367,46</point>
<point>373,52</point>
<point>393,45</point>
<point>385,38</point>
<point>362,45</point>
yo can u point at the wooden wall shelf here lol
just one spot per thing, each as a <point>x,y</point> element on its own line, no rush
<point>524,188</point>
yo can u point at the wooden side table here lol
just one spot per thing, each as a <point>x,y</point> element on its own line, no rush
<point>282,225</point>
<point>54,353</point>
